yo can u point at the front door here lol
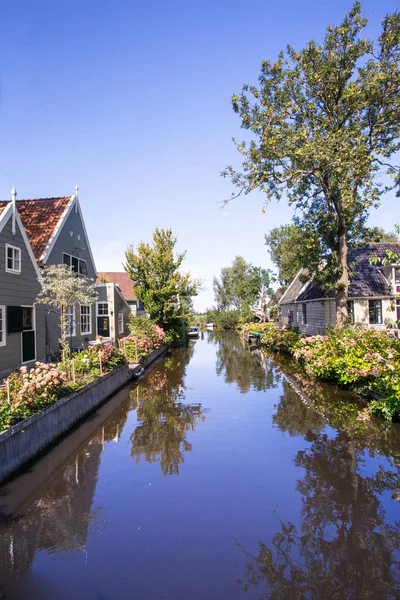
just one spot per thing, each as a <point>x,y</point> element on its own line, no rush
<point>103,326</point>
<point>28,334</point>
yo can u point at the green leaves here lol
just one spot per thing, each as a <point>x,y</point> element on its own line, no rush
<point>155,272</point>
<point>325,127</point>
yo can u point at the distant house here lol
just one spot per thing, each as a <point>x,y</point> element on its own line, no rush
<point>22,324</point>
<point>124,283</point>
<point>371,299</point>
<point>112,312</point>
<point>57,235</point>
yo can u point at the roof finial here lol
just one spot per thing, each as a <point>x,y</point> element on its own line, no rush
<point>13,200</point>
<point>76,189</point>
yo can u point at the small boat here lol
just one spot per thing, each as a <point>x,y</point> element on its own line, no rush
<point>210,326</point>
<point>193,332</point>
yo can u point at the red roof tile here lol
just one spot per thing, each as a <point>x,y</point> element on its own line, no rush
<point>122,280</point>
<point>40,218</point>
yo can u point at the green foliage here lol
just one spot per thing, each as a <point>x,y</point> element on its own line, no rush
<point>324,123</point>
<point>165,291</point>
<point>145,336</point>
<point>240,285</point>
<point>228,319</point>
<point>29,391</point>
<point>290,247</point>
<point>353,357</point>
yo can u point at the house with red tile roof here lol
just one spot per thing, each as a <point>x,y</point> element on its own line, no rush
<point>125,286</point>
<point>22,324</point>
<point>56,233</point>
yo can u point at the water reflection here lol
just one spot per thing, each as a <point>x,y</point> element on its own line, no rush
<point>345,545</point>
<point>236,365</point>
<point>164,419</point>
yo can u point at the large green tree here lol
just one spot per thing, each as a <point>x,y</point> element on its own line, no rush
<point>239,285</point>
<point>292,247</point>
<point>159,283</point>
<point>324,124</point>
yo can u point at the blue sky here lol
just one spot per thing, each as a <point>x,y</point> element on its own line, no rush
<point>131,100</point>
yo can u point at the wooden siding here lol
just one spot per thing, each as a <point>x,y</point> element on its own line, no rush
<point>19,290</point>
<point>70,244</point>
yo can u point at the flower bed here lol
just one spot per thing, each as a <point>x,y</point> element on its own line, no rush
<point>28,391</point>
<point>354,357</point>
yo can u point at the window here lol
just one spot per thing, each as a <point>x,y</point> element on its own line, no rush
<point>375,312</point>
<point>350,310</point>
<point>13,259</point>
<point>120,322</point>
<point>304,310</point>
<point>78,265</point>
<point>397,274</point>
<point>2,326</point>
<point>86,320</point>
<point>102,309</point>
<point>70,314</point>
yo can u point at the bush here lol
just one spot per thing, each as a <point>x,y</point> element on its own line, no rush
<point>353,357</point>
<point>145,336</point>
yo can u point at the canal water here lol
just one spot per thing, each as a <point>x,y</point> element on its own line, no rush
<point>210,479</point>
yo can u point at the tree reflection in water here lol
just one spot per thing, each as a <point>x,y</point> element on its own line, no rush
<point>345,545</point>
<point>239,366</point>
<point>164,419</point>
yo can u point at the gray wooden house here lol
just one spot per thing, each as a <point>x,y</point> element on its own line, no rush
<point>22,324</point>
<point>57,234</point>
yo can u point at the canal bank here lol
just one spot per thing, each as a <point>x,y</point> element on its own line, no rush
<point>210,479</point>
<point>25,441</point>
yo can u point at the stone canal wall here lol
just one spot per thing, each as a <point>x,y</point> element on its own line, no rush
<point>26,440</point>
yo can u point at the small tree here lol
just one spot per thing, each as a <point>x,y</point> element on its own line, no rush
<point>158,282</point>
<point>62,288</point>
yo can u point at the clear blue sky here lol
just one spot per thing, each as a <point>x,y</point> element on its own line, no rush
<point>131,100</point>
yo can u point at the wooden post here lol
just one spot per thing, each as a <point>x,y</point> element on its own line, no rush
<point>8,391</point>
<point>101,363</point>
<point>136,351</point>
<point>73,370</point>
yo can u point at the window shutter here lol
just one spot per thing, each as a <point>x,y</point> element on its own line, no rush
<point>14,319</point>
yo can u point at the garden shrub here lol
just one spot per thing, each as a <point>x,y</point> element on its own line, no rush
<point>353,357</point>
<point>145,336</point>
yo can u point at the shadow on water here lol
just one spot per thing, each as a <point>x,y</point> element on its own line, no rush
<point>346,543</point>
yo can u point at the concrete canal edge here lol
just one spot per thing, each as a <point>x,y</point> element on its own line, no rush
<point>29,438</point>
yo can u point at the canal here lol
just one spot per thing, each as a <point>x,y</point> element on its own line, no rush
<point>212,478</point>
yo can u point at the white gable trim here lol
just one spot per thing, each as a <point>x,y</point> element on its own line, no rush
<point>30,251</point>
<point>46,252</point>
<point>281,301</point>
<point>5,215</point>
<point>4,218</point>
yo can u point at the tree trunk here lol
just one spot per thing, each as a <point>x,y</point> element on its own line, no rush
<point>342,284</point>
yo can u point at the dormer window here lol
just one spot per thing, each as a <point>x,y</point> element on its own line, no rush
<point>13,259</point>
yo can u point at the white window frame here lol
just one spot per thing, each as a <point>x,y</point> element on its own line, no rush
<point>120,322</point>
<point>89,316</point>
<point>102,314</point>
<point>3,326</point>
<point>80,260</point>
<point>15,271</point>
<point>73,332</point>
